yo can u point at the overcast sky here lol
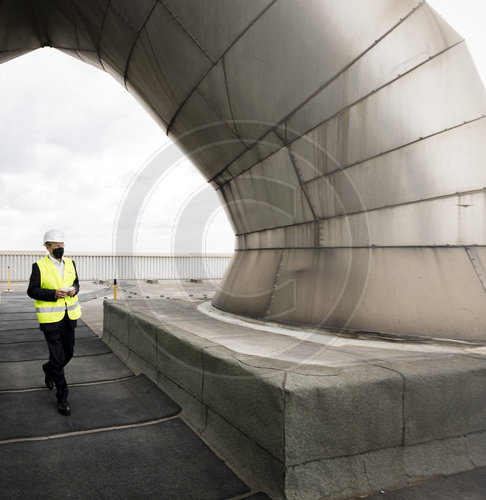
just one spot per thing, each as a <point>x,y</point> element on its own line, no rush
<point>72,139</point>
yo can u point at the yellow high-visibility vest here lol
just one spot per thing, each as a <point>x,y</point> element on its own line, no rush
<point>51,312</point>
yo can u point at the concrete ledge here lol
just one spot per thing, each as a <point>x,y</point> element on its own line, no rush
<point>357,411</point>
<point>342,477</point>
<point>323,429</point>
<point>249,398</point>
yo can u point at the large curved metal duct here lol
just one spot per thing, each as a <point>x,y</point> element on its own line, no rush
<point>345,137</point>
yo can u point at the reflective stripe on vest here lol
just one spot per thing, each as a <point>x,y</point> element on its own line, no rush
<point>54,311</point>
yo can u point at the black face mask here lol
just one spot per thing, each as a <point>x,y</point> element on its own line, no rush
<point>58,252</point>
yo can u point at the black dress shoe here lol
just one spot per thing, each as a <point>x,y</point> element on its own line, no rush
<point>49,381</point>
<point>63,407</point>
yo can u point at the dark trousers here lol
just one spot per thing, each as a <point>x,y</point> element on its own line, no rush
<point>60,340</point>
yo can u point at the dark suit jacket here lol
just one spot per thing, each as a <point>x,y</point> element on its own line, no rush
<point>46,294</point>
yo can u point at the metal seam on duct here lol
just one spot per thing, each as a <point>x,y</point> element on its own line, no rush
<point>226,208</point>
<point>129,58</point>
<point>184,28</point>
<point>95,44</point>
<point>35,24</point>
<point>478,268</point>
<point>125,19</point>
<point>342,110</point>
<point>388,151</point>
<point>283,137</point>
<point>199,149</point>
<point>317,233</point>
<point>178,110</point>
<point>385,207</point>
<point>323,86</point>
<point>226,88</point>
<point>184,101</point>
<point>76,31</point>
<point>77,50</point>
<point>216,112</point>
<point>278,227</point>
<point>98,42</point>
<point>81,58</point>
<point>274,285</point>
<point>299,180</point>
<point>145,98</point>
<point>102,25</point>
<point>67,18</point>
<point>41,33</point>
<point>127,22</point>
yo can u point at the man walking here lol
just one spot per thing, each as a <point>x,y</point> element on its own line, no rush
<point>54,286</point>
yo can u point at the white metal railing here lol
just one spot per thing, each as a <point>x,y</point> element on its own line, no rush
<point>106,266</point>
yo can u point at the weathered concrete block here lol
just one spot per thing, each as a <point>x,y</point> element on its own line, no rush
<point>106,336</point>
<point>142,337</point>
<point>106,320</point>
<point>248,397</point>
<point>356,411</point>
<point>118,320</point>
<point>356,475</point>
<point>444,397</point>
<point>476,448</point>
<point>193,411</point>
<point>248,459</point>
<point>121,350</point>
<point>179,358</point>
<point>139,365</point>
<point>440,457</point>
<point>308,432</point>
<point>384,469</point>
<point>340,478</point>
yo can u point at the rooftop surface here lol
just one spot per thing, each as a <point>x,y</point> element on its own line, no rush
<point>125,437</point>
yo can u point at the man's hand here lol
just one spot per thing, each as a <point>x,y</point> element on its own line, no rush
<point>63,292</point>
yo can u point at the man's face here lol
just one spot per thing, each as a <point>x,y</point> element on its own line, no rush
<point>52,245</point>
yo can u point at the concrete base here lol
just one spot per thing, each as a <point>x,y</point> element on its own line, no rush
<point>305,419</point>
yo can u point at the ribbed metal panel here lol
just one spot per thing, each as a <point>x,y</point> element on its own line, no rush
<point>96,267</point>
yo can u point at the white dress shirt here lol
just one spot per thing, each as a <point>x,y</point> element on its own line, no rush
<point>59,265</point>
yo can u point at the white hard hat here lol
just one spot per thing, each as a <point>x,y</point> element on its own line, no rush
<point>54,235</point>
